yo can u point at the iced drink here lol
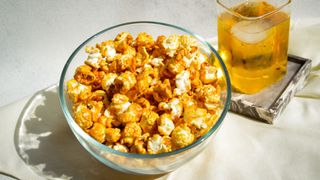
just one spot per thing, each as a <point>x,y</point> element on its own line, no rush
<point>253,42</point>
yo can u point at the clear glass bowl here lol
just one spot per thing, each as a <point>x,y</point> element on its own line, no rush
<point>139,163</point>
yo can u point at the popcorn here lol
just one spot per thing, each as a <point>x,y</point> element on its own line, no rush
<point>182,83</point>
<point>208,74</point>
<point>108,80</point>
<point>77,91</point>
<point>145,96</point>
<point>120,147</point>
<point>112,134</point>
<point>84,75</point>
<point>158,144</point>
<point>181,136</point>
<point>171,44</point>
<point>126,81</point>
<point>132,114</point>
<point>165,125</point>
<point>131,131</point>
<point>148,121</point>
<point>98,132</point>
<point>82,116</point>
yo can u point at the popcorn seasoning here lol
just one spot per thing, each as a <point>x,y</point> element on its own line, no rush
<point>143,95</point>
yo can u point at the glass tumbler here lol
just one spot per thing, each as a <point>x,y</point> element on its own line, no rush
<point>253,41</point>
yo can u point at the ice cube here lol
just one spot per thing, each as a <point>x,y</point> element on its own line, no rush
<point>250,32</point>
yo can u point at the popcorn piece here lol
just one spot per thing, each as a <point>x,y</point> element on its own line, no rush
<point>95,108</point>
<point>108,50</point>
<point>182,83</point>
<point>98,132</point>
<point>143,102</point>
<point>187,42</point>
<point>112,134</point>
<point>148,121</point>
<point>78,92</point>
<point>200,59</point>
<point>84,75</point>
<point>94,59</point>
<point>131,131</point>
<point>171,44</point>
<point>132,114</point>
<point>158,144</point>
<point>210,96</point>
<point>174,105</point>
<point>181,136</point>
<point>120,103</point>
<point>120,147</point>
<point>108,80</point>
<point>122,41</point>
<point>196,117</point>
<point>145,40</point>
<point>82,116</point>
<point>99,95</point>
<point>165,125</point>
<point>156,62</point>
<point>174,66</point>
<point>162,92</point>
<point>126,81</point>
<point>208,74</point>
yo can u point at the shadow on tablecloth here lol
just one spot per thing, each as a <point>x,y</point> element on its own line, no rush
<point>46,144</point>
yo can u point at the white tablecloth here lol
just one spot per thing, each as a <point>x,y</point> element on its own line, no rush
<point>243,148</point>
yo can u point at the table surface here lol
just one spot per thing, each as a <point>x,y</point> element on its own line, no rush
<point>37,37</point>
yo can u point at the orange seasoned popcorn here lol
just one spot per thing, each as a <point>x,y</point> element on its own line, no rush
<point>143,95</point>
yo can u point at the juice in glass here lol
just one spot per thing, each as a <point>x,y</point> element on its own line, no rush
<point>253,42</point>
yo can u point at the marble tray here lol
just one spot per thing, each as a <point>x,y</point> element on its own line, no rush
<point>268,104</point>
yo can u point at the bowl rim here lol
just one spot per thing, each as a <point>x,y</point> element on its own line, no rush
<point>73,125</point>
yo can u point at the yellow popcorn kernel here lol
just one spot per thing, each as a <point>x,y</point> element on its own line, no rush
<point>196,117</point>
<point>210,96</point>
<point>148,121</point>
<point>188,42</point>
<point>82,116</point>
<point>171,44</point>
<point>108,50</point>
<point>199,60</point>
<point>181,136</point>
<point>139,146</point>
<point>77,91</point>
<point>120,103</point>
<point>125,81</point>
<point>162,92</point>
<point>174,66</point>
<point>99,95</point>
<point>145,40</point>
<point>120,147</point>
<point>94,57</point>
<point>91,49</point>
<point>108,80</point>
<point>95,108</point>
<point>158,144</point>
<point>132,114</point>
<point>122,41</point>
<point>208,74</point>
<point>165,124</point>
<point>183,83</point>
<point>84,75</point>
<point>143,102</point>
<point>131,131</point>
<point>98,132</point>
<point>112,134</point>
<point>195,78</point>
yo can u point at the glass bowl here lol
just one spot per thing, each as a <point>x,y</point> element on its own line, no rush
<point>139,163</point>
